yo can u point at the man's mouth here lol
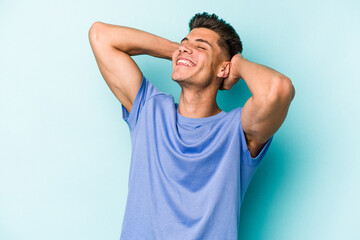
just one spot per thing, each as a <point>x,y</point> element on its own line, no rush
<point>185,62</point>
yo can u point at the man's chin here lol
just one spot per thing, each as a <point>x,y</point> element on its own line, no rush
<point>181,80</point>
<point>177,77</point>
<point>181,73</point>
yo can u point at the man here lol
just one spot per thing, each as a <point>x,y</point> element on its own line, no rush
<point>191,162</point>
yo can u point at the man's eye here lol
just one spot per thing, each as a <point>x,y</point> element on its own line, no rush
<point>201,47</point>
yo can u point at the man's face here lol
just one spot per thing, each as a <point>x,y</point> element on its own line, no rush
<point>198,59</point>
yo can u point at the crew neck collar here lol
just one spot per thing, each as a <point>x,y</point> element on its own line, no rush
<point>190,120</point>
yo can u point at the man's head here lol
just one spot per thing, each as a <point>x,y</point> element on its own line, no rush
<point>229,40</point>
<point>209,47</point>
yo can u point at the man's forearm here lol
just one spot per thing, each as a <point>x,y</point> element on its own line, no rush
<point>133,41</point>
<point>262,81</point>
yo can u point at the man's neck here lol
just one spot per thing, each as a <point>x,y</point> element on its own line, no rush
<point>198,105</point>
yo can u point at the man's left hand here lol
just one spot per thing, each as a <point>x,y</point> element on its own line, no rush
<point>233,76</point>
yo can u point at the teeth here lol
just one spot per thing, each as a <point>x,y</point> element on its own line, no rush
<point>188,63</point>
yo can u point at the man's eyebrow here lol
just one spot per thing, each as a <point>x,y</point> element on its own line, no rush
<point>198,40</point>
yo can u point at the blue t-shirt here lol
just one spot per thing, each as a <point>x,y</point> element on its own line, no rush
<point>188,176</point>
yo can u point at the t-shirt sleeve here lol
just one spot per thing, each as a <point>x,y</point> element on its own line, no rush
<point>146,90</point>
<point>249,164</point>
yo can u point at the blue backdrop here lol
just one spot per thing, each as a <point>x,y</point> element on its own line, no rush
<point>65,150</point>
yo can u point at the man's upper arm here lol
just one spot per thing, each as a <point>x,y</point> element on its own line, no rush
<point>261,118</point>
<point>118,69</point>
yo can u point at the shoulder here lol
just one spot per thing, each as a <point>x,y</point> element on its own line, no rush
<point>249,145</point>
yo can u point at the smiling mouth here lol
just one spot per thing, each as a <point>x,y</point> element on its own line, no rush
<point>184,62</point>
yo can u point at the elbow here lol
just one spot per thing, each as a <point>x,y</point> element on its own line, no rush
<point>93,31</point>
<point>282,89</point>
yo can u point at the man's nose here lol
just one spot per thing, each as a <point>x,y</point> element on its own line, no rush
<point>185,48</point>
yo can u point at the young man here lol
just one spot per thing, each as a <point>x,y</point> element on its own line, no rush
<point>191,162</point>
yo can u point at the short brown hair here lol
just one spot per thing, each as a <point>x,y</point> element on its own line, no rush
<point>229,39</point>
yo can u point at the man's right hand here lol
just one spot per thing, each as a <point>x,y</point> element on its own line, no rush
<point>113,47</point>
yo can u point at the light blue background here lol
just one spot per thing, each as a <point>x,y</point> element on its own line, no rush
<point>65,150</point>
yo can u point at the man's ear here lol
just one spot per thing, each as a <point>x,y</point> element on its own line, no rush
<point>224,70</point>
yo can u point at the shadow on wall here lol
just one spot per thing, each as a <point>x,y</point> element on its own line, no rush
<point>270,177</point>
<point>265,188</point>
<point>233,98</point>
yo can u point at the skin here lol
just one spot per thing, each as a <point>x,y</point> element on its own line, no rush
<point>263,113</point>
<point>200,83</point>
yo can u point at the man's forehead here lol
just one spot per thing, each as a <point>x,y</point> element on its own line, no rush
<point>204,34</point>
<point>198,40</point>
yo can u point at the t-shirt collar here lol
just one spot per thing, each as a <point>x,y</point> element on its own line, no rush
<point>189,120</point>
